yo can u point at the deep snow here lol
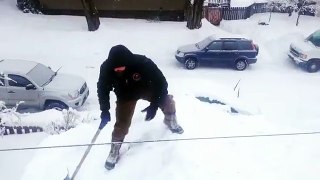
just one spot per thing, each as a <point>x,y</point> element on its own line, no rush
<point>275,97</point>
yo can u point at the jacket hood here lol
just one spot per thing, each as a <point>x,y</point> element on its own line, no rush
<point>120,56</point>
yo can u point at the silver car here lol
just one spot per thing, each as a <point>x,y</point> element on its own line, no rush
<point>37,86</point>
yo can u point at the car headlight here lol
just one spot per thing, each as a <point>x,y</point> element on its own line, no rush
<point>303,56</point>
<point>179,53</point>
<point>74,94</point>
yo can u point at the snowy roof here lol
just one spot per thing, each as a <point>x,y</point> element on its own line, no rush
<point>245,3</point>
<point>14,65</point>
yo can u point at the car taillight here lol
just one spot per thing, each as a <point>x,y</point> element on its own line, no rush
<point>255,47</point>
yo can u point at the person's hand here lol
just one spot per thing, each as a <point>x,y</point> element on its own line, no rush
<point>151,112</point>
<point>105,118</point>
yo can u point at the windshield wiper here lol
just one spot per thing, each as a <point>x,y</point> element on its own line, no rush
<point>55,73</point>
<point>49,80</point>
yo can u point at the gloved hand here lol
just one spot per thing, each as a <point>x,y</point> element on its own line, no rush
<point>151,111</point>
<point>105,118</point>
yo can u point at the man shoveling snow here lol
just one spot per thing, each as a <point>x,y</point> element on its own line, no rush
<point>132,77</point>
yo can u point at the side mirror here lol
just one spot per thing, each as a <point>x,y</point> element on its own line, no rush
<point>30,87</point>
<point>206,49</point>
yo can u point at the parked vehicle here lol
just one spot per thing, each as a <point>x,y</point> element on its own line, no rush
<point>236,52</point>
<point>39,87</point>
<point>306,53</point>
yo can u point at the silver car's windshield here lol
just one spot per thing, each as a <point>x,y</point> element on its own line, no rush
<point>204,43</point>
<point>41,74</point>
<point>314,38</point>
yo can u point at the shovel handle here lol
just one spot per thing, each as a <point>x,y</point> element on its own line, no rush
<point>85,154</point>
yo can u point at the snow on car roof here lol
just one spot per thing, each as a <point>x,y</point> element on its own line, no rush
<point>227,36</point>
<point>16,66</point>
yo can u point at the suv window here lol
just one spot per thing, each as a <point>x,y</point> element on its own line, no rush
<point>230,45</point>
<point>245,45</point>
<point>314,38</point>
<point>215,45</point>
<point>18,81</point>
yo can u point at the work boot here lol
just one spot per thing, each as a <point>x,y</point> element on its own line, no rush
<point>171,122</point>
<point>113,156</point>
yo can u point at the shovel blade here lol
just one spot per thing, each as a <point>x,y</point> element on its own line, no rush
<point>67,177</point>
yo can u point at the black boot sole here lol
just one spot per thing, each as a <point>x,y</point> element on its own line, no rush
<point>109,166</point>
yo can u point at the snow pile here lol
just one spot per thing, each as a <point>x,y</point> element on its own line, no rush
<point>257,158</point>
<point>51,121</point>
<point>158,160</point>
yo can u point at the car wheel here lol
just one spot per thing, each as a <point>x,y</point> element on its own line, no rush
<point>313,66</point>
<point>191,63</point>
<point>240,65</point>
<point>56,105</point>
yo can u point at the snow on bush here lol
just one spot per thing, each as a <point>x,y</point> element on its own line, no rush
<point>51,121</point>
<point>301,6</point>
<point>29,6</point>
<point>10,114</point>
<point>70,119</point>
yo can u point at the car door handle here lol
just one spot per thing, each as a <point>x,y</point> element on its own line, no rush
<point>11,92</point>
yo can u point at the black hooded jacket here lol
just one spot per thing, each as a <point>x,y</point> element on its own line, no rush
<point>140,76</point>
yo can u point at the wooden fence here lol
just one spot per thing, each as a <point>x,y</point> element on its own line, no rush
<point>216,14</point>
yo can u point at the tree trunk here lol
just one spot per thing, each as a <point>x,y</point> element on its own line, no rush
<point>194,16</point>
<point>297,23</point>
<point>91,14</point>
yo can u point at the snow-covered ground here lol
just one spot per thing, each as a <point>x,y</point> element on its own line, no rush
<point>275,97</point>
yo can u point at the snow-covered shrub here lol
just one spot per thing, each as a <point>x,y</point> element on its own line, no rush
<point>10,114</point>
<point>29,6</point>
<point>317,8</point>
<point>53,128</point>
<point>307,7</point>
<point>2,105</point>
<point>2,128</point>
<point>70,119</point>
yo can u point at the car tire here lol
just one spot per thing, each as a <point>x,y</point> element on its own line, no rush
<point>191,63</point>
<point>56,105</point>
<point>313,66</point>
<point>240,65</point>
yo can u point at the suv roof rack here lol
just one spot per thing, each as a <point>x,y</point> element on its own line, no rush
<point>234,38</point>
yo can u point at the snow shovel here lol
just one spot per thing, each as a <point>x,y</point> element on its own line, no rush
<point>83,157</point>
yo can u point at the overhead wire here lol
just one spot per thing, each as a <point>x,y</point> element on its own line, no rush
<point>165,140</point>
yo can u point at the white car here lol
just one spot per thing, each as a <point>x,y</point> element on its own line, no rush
<point>307,52</point>
<point>37,86</point>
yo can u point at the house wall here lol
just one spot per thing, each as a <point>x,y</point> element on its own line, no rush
<point>166,10</point>
<point>124,5</point>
